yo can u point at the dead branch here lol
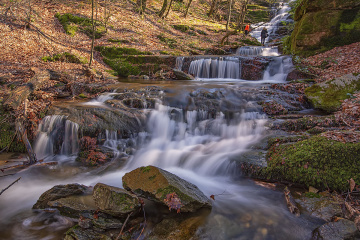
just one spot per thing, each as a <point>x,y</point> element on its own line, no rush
<point>10,185</point>
<point>122,228</point>
<point>290,202</point>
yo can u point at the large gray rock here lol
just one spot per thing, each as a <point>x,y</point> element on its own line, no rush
<point>342,229</point>
<point>180,75</point>
<point>165,187</point>
<point>328,95</point>
<point>74,206</point>
<point>60,191</point>
<point>324,207</point>
<point>115,201</point>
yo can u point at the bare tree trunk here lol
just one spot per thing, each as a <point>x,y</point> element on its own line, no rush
<point>163,9</point>
<point>93,33</point>
<point>169,8</point>
<point>229,16</point>
<point>142,6</point>
<point>105,17</point>
<point>187,8</point>
<point>212,7</point>
<point>240,23</point>
<point>29,15</point>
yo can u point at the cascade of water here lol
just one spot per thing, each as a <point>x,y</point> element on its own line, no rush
<point>179,63</point>
<point>228,67</point>
<point>55,135</point>
<point>257,51</point>
<point>99,101</point>
<point>204,146</point>
<point>278,69</point>
<point>273,25</point>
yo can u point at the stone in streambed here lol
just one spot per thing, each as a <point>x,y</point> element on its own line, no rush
<point>115,201</point>
<point>158,184</point>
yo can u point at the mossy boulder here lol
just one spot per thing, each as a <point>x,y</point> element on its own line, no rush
<point>322,25</point>
<point>328,95</point>
<point>59,191</point>
<point>115,201</point>
<point>317,162</point>
<point>160,185</point>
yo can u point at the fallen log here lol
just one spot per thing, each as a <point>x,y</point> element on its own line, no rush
<point>290,202</point>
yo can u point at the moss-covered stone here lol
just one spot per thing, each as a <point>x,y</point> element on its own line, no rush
<point>157,184</point>
<point>65,57</point>
<point>172,43</point>
<point>181,27</point>
<point>322,25</point>
<point>115,201</point>
<point>328,95</point>
<point>317,162</point>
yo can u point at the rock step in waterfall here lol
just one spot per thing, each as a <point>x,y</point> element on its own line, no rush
<point>249,63</point>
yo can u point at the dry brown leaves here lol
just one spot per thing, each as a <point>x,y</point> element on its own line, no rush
<point>343,136</point>
<point>350,112</point>
<point>336,62</point>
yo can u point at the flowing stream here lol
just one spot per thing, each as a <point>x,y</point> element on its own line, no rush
<point>197,145</point>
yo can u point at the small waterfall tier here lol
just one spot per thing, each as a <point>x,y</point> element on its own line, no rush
<point>257,51</point>
<point>56,135</point>
<point>221,67</point>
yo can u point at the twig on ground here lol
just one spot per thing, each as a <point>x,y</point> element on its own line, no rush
<point>9,186</point>
<point>122,229</point>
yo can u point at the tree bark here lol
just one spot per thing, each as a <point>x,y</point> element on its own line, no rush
<point>142,6</point>
<point>214,3</point>
<point>187,8</point>
<point>93,33</point>
<point>163,9</point>
<point>229,16</point>
<point>169,8</point>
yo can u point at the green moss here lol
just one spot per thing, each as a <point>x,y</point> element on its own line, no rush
<point>81,95</point>
<point>249,41</point>
<point>316,162</point>
<point>65,57</point>
<point>73,24</point>
<point>182,28</point>
<point>152,177</point>
<point>116,52</point>
<point>118,40</point>
<point>329,98</point>
<point>145,169</point>
<point>122,67</point>
<point>312,195</point>
<point>169,41</point>
<point>260,15</point>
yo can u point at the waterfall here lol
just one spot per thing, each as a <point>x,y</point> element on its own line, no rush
<point>195,142</point>
<point>257,51</point>
<point>272,26</point>
<point>179,63</point>
<point>222,67</point>
<point>56,135</point>
<point>278,69</point>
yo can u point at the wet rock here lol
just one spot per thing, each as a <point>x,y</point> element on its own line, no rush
<point>341,229</point>
<point>296,74</point>
<point>78,233</point>
<point>74,206</point>
<point>155,183</point>
<point>328,95</point>
<point>180,75</point>
<point>60,191</point>
<point>253,68</point>
<point>179,227</point>
<point>115,201</point>
<point>324,207</point>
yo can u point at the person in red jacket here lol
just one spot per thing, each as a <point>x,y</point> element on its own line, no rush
<point>247,29</point>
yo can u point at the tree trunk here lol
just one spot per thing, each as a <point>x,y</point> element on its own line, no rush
<point>141,6</point>
<point>212,7</point>
<point>93,33</point>
<point>169,8</point>
<point>229,16</point>
<point>163,9</point>
<point>29,15</point>
<point>240,23</point>
<point>105,17</point>
<point>187,8</point>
